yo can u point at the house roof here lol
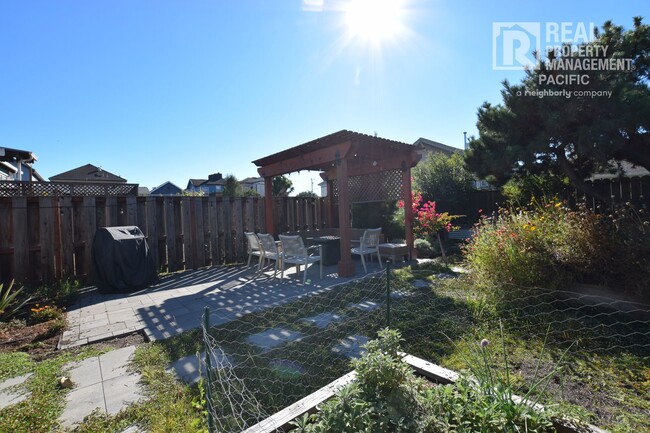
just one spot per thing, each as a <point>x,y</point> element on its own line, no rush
<point>155,190</point>
<point>198,182</point>
<point>87,173</point>
<point>627,169</point>
<point>426,144</point>
<point>8,154</point>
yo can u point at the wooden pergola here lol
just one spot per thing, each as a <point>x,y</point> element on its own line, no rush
<point>354,166</point>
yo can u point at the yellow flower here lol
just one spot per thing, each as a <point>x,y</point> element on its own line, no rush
<point>558,204</point>
<point>532,228</point>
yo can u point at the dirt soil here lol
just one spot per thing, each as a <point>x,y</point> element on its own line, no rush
<point>40,340</point>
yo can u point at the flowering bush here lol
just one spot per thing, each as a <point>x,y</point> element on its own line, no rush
<point>40,314</point>
<point>427,222</point>
<point>550,245</point>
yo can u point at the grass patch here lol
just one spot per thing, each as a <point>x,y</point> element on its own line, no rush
<point>40,411</point>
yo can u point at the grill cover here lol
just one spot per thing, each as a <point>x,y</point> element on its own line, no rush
<point>122,261</point>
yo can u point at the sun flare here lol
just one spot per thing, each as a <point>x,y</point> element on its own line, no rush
<point>374,20</point>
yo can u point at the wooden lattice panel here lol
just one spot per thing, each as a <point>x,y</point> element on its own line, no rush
<point>48,189</point>
<point>386,185</point>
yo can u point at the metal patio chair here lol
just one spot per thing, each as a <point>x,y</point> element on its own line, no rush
<point>369,245</point>
<point>295,252</point>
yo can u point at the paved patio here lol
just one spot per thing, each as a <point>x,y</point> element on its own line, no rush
<point>176,304</point>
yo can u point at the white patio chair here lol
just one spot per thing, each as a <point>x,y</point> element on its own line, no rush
<point>254,249</point>
<point>269,250</point>
<point>295,252</point>
<point>368,245</point>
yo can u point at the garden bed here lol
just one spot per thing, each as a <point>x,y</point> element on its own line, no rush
<point>282,421</point>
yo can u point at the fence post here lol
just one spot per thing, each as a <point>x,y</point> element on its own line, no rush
<point>208,369</point>
<point>388,293</point>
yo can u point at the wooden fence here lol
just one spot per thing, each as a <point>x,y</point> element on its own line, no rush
<point>50,238</point>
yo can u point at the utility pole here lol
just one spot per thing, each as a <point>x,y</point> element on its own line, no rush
<point>465,139</point>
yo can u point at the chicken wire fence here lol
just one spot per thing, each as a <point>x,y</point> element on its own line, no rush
<point>269,359</point>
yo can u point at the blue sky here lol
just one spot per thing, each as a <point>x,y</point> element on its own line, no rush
<point>156,90</point>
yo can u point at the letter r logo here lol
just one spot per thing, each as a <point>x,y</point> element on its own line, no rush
<point>514,45</point>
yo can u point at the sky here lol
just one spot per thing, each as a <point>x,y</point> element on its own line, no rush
<point>159,90</point>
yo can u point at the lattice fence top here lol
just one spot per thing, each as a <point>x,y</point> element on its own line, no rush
<point>39,189</point>
<point>386,185</point>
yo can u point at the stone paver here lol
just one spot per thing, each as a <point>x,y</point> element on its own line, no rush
<point>273,337</point>
<point>13,390</point>
<point>351,346</point>
<point>366,305</point>
<point>100,382</point>
<point>187,369</point>
<point>323,320</point>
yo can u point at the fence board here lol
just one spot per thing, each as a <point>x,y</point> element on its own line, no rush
<point>87,230</point>
<point>238,229</point>
<point>20,239</point>
<point>170,231</point>
<point>188,238</point>
<point>151,229</point>
<point>51,237</point>
<point>47,239</point>
<point>213,230</point>
<point>67,237</point>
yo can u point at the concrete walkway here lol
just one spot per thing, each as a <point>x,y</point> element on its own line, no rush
<point>161,311</point>
<point>177,302</point>
<point>101,382</point>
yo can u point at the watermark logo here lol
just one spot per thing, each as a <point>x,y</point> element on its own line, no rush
<point>514,45</point>
<point>521,45</point>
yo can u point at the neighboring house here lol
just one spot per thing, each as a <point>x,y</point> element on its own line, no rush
<point>323,189</point>
<point>627,170</point>
<point>425,146</point>
<point>166,188</point>
<point>143,190</point>
<point>16,164</point>
<point>212,185</point>
<point>87,174</point>
<point>254,183</point>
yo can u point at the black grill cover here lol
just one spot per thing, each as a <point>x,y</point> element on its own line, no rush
<point>122,261</point>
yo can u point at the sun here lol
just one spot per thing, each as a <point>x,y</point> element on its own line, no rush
<point>374,20</point>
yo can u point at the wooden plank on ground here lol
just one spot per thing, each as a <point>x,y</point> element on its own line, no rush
<point>281,419</point>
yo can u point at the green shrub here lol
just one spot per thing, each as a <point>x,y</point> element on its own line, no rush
<point>61,293</point>
<point>10,301</point>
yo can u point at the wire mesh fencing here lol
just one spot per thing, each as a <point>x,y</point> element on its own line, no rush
<point>271,358</point>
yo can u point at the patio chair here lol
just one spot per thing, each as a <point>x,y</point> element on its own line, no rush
<point>369,245</point>
<point>269,250</point>
<point>295,252</point>
<point>254,249</point>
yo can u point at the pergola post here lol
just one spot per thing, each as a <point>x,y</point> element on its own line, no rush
<point>268,205</point>
<point>408,210</point>
<point>330,203</point>
<point>345,265</point>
